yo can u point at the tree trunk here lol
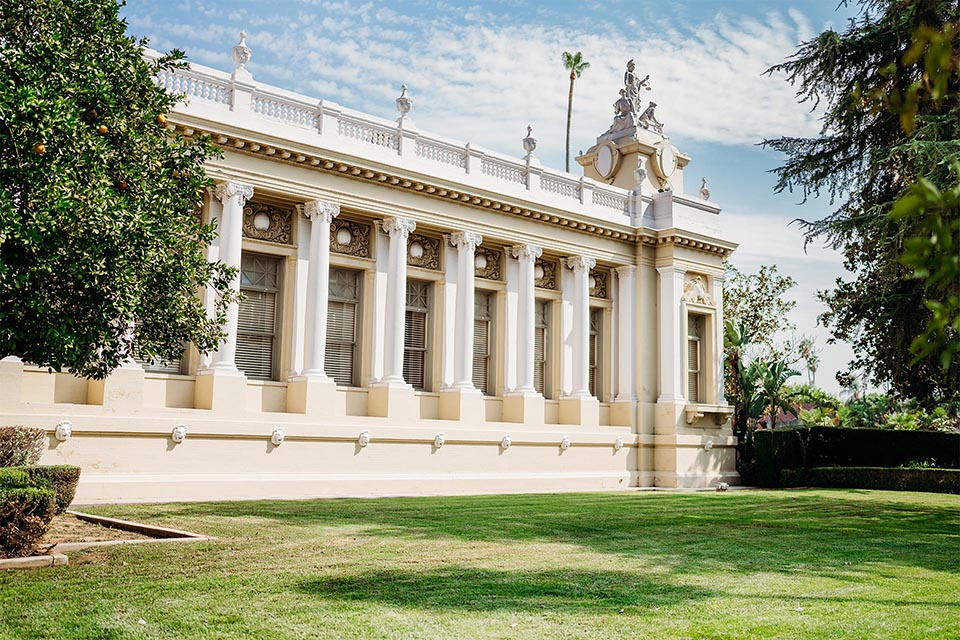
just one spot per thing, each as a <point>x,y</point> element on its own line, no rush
<point>569,112</point>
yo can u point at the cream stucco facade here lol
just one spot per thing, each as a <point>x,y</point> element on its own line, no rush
<point>420,316</point>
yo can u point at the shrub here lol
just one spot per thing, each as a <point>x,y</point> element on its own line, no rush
<point>14,478</point>
<point>21,446</point>
<point>25,515</point>
<point>867,412</point>
<point>884,478</point>
<point>62,479</point>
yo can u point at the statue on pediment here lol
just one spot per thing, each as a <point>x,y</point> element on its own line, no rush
<point>649,121</point>
<point>622,113</point>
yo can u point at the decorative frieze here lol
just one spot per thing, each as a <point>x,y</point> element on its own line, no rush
<point>487,262</point>
<point>695,290</point>
<point>545,274</point>
<point>598,283</point>
<point>267,222</point>
<point>350,238</point>
<point>423,251</point>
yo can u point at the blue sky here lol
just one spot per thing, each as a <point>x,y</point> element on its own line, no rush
<point>480,72</point>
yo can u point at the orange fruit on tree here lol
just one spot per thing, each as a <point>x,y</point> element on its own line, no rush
<point>102,128</point>
<point>39,149</point>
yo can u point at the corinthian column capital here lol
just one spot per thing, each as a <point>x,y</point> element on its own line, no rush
<point>398,227</point>
<point>321,210</point>
<point>526,252</point>
<point>229,189</point>
<point>466,239</point>
<point>580,263</point>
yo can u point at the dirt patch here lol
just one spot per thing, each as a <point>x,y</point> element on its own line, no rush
<point>69,528</point>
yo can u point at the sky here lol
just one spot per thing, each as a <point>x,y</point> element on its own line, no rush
<point>481,72</point>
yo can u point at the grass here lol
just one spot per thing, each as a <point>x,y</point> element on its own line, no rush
<point>758,564</point>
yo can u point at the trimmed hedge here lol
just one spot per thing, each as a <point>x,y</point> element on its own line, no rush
<point>25,515</point>
<point>21,446</point>
<point>61,478</point>
<point>808,447</point>
<point>932,480</point>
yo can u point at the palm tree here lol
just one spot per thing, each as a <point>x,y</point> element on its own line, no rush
<point>576,64</point>
<point>774,377</point>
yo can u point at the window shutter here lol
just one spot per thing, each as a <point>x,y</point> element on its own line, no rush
<point>481,355</point>
<point>415,351</point>
<point>693,370</point>
<point>341,335</point>
<point>595,346</point>
<point>258,314</point>
<point>156,365</point>
<point>539,357</point>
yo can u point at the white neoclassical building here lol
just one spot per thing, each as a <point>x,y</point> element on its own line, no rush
<point>419,316</point>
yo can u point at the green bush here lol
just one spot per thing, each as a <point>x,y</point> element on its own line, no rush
<point>25,515</point>
<point>62,479</point>
<point>14,478</point>
<point>884,478</point>
<point>21,446</point>
<point>867,412</point>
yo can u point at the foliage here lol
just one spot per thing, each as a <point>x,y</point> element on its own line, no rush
<point>866,412</point>
<point>883,478</point>
<point>773,380</point>
<point>869,78</point>
<point>759,304</point>
<point>25,515</point>
<point>21,445</point>
<point>576,65</point>
<point>101,251</point>
<point>819,417</point>
<point>61,479</point>
<point>809,394</point>
<point>13,478</point>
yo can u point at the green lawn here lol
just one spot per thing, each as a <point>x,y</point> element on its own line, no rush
<point>745,564</point>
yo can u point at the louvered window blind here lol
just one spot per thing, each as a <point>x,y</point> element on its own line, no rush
<point>596,344</point>
<point>482,321</point>
<point>694,332</point>
<point>157,365</point>
<point>257,330</point>
<point>415,342</point>
<point>540,346</point>
<point>344,300</point>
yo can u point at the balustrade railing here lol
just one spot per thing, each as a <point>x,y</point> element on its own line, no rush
<point>566,187</point>
<point>191,85</point>
<point>504,170</point>
<point>442,153</point>
<point>368,132</point>
<point>284,111</point>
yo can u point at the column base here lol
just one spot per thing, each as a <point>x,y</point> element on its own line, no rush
<point>393,400</point>
<point>122,389</point>
<point>11,381</point>
<point>220,390</point>
<point>462,404</point>
<point>623,413</point>
<point>315,396</point>
<point>523,407</point>
<point>582,410</point>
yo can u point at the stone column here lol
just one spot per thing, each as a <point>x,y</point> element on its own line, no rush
<point>669,334</point>
<point>525,404</point>
<point>580,407</point>
<point>391,396</point>
<point>623,411</point>
<point>221,386</point>
<point>718,339</point>
<point>463,400</point>
<point>313,392</point>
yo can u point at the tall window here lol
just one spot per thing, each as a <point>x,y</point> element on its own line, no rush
<point>257,330</point>
<point>415,343</point>
<point>344,300</point>
<point>482,326</point>
<point>541,346</point>
<point>694,356</point>
<point>596,353</point>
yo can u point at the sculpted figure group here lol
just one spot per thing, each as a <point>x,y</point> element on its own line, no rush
<point>625,109</point>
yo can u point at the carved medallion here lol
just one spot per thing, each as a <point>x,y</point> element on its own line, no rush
<point>487,263</point>
<point>423,251</point>
<point>545,274</point>
<point>267,222</point>
<point>350,238</point>
<point>598,283</point>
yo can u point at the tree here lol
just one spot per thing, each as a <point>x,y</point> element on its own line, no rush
<point>577,65</point>
<point>102,252</point>
<point>872,80</point>
<point>773,380</point>
<point>757,302</point>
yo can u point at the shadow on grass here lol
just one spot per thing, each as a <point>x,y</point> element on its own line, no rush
<point>833,533</point>
<point>467,588</point>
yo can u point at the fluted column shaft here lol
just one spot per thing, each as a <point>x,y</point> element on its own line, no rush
<point>527,254</point>
<point>581,266</point>
<point>466,244</point>
<point>234,196</point>
<point>399,230</point>
<point>321,215</point>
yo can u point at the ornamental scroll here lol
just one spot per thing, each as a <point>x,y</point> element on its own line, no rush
<point>267,222</point>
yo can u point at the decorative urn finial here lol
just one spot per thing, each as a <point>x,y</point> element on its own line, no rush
<point>529,143</point>
<point>241,52</point>
<point>404,102</point>
<point>704,192</point>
